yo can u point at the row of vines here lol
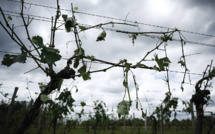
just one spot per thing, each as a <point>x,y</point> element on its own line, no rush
<point>49,112</point>
<point>97,121</point>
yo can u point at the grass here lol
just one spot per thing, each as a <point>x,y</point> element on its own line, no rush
<point>81,130</point>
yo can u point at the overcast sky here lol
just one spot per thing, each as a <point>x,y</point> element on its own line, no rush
<point>195,16</point>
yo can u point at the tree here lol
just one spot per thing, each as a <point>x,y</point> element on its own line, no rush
<point>201,97</point>
<point>45,57</point>
<point>17,114</point>
<point>100,114</point>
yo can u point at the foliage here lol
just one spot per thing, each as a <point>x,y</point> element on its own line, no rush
<point>83,104</point>
<point>70,22</point>
<point>64,106</point>
<point>102,36</point>
<point>17,114</point>
<point>123,108</point>
<point>187,106</point>
<point>11,59</point>
<point>100,111</point>
<point>162,63</point>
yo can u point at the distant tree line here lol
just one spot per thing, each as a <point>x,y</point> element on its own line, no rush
<point>105,122</point>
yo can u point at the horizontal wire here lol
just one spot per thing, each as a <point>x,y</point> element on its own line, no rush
<point>101,63</point>
<point>38,5</point>
<point>101,16</point>
<point>40,18</point>
<point>27,17</point>
<point>151,25</point>
<point>46,19</point>
<point>183,72</point>
<point>110,29</point>
<point>26,14</point>
<point>153,36</point>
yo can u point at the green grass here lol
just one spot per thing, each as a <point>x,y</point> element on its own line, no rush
<point>80,130</point>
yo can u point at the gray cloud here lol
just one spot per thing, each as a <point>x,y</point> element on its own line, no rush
<point>211,28</point>
<point>200,3</point>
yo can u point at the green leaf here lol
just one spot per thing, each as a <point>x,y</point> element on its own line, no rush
<point>9,18</point>
<point>143,115</point>
<point>90,57</point>
<point>66,97</point>
<point>76,8</point>
<point>127,66</point>
<point>8,60</point>
<point>44,98</point>
<point>182,63</point>
<point>82,28</point>
<point>102,36</point>
<point>76,89</point>
<point>50,55</point>
<point>162,63</point>
<point>38,41</point>
<point>6,94</point>
<point>86,76</point>
<point>21,58</point>
<point>64,16</point>
<point>83,103</point>
<point>76,63</point>
<point>59,84</point>
<point>213,71</point>
<point>175,114</point>
<point>156,68</point>
<point>69,24</point>
<point>83,69</point>
<point>79,52</point>
<point>125,84</point>
<point>70,101</point>
<point>165,38</point>
<point>140,65</point>
<point>182,88</point>
<point>123,107</point>
<point>133,36</point>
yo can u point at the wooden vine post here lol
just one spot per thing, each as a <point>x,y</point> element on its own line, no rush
<point>192,117</point>
<point>10,109</point>
<point>146,122</point>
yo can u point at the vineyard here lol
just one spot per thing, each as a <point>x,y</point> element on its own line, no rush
<point>107,124</point>
<point>107,75</point>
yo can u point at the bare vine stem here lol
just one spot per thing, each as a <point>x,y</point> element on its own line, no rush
<point>55,23</point>
<point>167,72</point>
<point>137,89</point>
<point>149,52</point>
<point>183,56</point>
<point>206,85</point>
<point>26,27</point>
<point>108,23</point>
<point>198,84</point>
<point>109,63</point>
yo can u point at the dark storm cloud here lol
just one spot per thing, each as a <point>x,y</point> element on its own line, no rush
<point>202,3</point>
<point>9,46</point>
<point>6,42</point>
<point>8,5</point>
